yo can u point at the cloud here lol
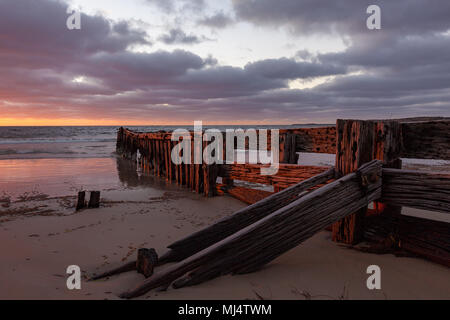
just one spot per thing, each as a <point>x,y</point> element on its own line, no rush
<point>346,17</point>
<point>284,68</point>
<point>172,6</point>
<point>178,36</point>
<point>217,21</point>
<point>49,71</point>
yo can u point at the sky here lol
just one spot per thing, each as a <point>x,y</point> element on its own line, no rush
<point>138,62</point>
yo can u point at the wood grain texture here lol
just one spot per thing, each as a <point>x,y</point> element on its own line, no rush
<point>424,238</point>
<point>426,140</point>
<point>259,243</point>
<point>355,147</point>
<point>417,189</point>
<point>242,218</point>
<point>287,174</point>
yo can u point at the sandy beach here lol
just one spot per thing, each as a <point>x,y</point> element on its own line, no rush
<point>41,235</point>
<point>265,150</point>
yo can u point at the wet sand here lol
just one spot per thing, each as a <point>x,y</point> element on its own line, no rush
<point>138,211</point>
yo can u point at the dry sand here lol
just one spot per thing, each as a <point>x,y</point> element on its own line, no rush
<point>36,250</point>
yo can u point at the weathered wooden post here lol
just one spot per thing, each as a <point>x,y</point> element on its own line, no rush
<point>388,148</point>
<point>359,142</point>
<point>284,154</point>
<point>288,147</point>
<point>81,203</point>
<point>94,200</point>
<point>146,261</point>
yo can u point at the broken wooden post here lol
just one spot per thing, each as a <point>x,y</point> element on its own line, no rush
<point>359,142</point>
<point>290,146</point>
<point>147,259</point>
<point>259,243</point>
<point>94,200</point>
<point>81,203</point>
<point>388,148</point>
<point>354,148</point>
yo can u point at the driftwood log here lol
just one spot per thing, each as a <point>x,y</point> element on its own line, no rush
<point>204,238</point>
<point>261,242</point>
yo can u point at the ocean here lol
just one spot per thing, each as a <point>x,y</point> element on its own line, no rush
<point>75,142</point>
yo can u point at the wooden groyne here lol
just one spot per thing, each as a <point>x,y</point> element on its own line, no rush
<point>307,199</point>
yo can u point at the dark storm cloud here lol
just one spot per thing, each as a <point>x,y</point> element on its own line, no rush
<point>324,16</point>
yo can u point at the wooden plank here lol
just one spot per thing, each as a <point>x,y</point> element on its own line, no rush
<point>421,237</point>
<point>247,195</point>
<point>287,175</point>
<point>425,238</point>
<point>417,189</point>
<point>261,242</point>
<point>244,217</point>
<point>426,140</point>
<point>316,140</point>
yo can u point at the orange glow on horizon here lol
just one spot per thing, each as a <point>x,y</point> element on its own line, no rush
<point>116,122</point>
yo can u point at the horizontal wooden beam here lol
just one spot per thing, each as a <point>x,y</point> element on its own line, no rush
<point>426,140</point>
<point>417,189</point>
<point>247,195</point>
<point>315,140</point>
<point>288,174</point>
<point>421,237</point>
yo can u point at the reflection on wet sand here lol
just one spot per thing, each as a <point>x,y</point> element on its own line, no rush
<point>64,177</point>
<point>131,175</point>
